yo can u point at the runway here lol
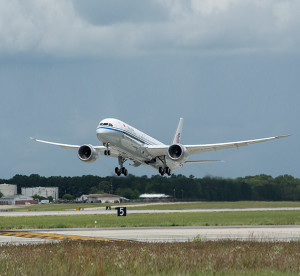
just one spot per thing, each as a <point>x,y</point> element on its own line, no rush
<point>158,234</point>
<point>150,234</point>
<point>149,211</point>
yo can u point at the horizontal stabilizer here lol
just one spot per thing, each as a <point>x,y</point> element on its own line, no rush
<point>203,161</point>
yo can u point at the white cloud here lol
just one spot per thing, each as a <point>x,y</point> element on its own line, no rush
<point>58,28</point>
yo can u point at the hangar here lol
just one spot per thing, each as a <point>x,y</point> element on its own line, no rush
<point>17,200</point>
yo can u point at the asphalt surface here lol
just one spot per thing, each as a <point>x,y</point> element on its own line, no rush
<point>161,234</point>
<point>152,234</point>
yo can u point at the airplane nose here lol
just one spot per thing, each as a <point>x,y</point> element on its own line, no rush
<point>102,134</point>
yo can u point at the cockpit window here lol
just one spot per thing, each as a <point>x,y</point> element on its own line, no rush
<point>106,124</point>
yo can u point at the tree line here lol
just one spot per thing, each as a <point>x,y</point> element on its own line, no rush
<point>259,187</point>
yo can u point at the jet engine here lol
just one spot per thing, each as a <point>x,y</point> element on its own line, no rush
<point>87,153</point>
<point>178,152</point>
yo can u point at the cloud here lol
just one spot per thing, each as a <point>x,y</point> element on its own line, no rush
<point>114,29</point>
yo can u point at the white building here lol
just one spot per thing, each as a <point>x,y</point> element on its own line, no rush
<point>8,189</point>
<point>100,198</point>
<point>154,197</point>
<point>41,191</point>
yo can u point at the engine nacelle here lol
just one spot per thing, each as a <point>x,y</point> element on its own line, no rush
<point>178,152</point>
<point>87,153</point>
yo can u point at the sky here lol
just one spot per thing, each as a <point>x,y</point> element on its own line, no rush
<point>230,68</point>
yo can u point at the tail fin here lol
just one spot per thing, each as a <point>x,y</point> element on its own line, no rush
<point>177,136</point>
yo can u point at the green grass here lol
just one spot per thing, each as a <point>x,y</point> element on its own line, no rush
<point>184,205</point>
<point>221,205</point>
<point>158,219</point>
<point>194,258</point>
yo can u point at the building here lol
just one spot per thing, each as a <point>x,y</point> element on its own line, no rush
<point>41,191</point>
<point>8,189</point>
<point>100,198</point>
<point>82,198</point>
<point>17,200</point>
<point>154,197</point>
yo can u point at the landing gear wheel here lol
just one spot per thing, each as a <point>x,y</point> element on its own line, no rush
<point>107,151</point>
<point>162,171</point>
<point>124,171</point>
<point>168,171</point>
<point>117,171</point>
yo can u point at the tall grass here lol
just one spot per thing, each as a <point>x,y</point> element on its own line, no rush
<point>195,258</point>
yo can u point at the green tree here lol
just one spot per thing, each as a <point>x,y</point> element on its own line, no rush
<point>38,197</point>
<point>67,197</point>
<point>1,195</point>
<point>50,198</point>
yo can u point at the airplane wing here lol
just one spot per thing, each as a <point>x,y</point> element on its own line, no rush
<point>194,149</point>
<point>99,149</point>
<point>157,150</point>
<point>160,150</point>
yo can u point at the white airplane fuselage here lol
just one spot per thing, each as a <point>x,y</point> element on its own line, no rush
<point>130,142</point>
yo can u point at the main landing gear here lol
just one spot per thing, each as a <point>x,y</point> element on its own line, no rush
<point>163,170</point>
<point>121,170</point>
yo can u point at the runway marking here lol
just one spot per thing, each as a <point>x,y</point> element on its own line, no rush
<point>57,236</point>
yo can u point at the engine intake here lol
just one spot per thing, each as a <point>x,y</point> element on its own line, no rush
<point>87,153</point>
<point>177,152</point>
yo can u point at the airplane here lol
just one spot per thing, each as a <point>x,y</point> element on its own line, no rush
<point>125,142</point>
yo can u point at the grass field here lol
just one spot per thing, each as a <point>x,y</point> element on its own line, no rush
<point>222,205</point>
<point>194,258</point>
<point>156,219</point>
<point>177,205</point>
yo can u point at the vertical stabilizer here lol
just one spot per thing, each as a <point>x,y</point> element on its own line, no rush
<point>177,136</point>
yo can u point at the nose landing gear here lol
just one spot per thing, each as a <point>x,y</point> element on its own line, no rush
<point>107,151</point>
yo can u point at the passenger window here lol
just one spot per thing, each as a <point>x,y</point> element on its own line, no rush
<point>110,124</point>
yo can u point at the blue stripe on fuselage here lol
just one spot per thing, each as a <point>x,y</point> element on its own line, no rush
<point>133,136</point>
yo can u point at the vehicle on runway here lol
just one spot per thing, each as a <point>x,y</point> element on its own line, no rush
<point>125,142</point>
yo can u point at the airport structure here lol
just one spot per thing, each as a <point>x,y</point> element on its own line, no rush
<point>100,198</point>
<point>41,191</point>
<point>8,189</point>
<point>17,200</point>
<point>154,197</point>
